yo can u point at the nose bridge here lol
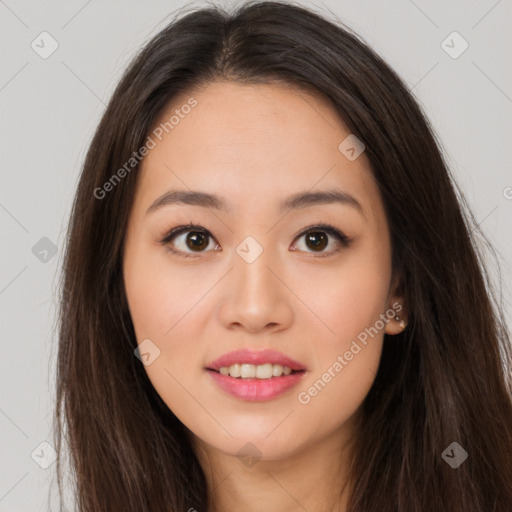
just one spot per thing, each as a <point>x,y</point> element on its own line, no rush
<point>256,298</point>
<point>254,280</point>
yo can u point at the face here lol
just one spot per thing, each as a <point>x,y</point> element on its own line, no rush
<point>261,269</point>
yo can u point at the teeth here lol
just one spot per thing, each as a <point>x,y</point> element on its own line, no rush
<point>260,371</point>
<point>277,370</point>
<point>247,371</point>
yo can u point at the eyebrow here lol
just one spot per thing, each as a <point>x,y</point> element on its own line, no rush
<point>293,202</point>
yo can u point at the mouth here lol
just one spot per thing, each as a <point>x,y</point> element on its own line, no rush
<point>247,371</point>
<point>255,375</point>
<point>250,384</point>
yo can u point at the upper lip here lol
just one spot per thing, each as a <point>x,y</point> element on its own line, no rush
<point>256,357</point>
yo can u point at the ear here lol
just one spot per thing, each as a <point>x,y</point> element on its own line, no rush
<point>398,322</point>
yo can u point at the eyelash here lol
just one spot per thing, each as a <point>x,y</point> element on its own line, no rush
<point>324,228</point>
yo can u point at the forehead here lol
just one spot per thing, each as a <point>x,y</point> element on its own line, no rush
<point>252,144</point>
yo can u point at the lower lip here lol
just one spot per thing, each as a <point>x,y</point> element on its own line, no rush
<point>256,390</point>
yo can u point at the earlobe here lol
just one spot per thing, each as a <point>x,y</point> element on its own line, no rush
<point>398,322</point>
<point>401,322</point>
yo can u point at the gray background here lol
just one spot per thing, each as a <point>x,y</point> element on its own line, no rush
<point>50,107</point>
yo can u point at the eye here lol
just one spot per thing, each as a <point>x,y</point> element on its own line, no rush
<point>189,237</point>
<point>317,239</point>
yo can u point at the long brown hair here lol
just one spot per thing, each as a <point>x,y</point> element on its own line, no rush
<point>445,379</point>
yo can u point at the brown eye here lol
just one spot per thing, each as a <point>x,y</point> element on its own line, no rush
<point>196,240</point>
<point>316,240</point>
<point>185,240</point>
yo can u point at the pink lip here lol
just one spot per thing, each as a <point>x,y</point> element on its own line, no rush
<point>255,357</point>
<point>256,390</point>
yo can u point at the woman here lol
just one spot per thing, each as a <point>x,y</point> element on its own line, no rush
<point>271,298</point>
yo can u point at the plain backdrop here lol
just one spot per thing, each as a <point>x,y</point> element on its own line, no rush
<point>50,107</point>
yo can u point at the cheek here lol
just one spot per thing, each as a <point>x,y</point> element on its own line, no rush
<point>147,298</point>
<point>348,299</point>
<point>348,345</point>
<point>159,294</point>
<point>162,302</point>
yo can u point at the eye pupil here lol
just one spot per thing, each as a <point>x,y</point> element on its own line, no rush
<point>318,239</point>
<point>196,236</point>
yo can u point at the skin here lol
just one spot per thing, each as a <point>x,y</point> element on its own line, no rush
<point>253,146</point>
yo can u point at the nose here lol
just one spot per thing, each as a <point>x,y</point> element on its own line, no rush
<point>256,297</point>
